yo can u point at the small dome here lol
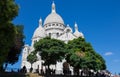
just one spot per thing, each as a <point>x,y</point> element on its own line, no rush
<point>78,34</point>
<point>68,29</point>
<point>39,32</point>
<point>53,16</point>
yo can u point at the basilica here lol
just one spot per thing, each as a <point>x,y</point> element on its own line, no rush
<point>54,27</point>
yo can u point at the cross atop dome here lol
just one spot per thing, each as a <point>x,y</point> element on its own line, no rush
<point>53,7</point>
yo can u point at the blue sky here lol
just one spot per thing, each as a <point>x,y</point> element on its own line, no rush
<point>99,20</point>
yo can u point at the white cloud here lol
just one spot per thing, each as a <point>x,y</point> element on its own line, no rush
<point>108,53</point>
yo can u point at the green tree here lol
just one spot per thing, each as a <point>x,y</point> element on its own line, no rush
<point>32,58</point>
<point>16,48</point>
<point>11,36</point>
<point>7,35</point>
<point>8,11</point>
<point>81,55</point>
<point>51,50</point>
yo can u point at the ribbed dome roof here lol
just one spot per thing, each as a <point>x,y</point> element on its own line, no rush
<point>53,16</point>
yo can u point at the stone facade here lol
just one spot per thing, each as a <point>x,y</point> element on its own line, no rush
<point>54,27</point>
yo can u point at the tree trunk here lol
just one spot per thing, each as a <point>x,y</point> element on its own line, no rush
<point>31,69</point>
<point>48,72</point>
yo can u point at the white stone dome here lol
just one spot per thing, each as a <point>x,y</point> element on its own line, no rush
<point>68,29</point>
<point>53,17</point>
<point>78,34</point>
<point>39,32</point>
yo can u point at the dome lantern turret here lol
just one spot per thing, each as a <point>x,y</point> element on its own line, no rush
<point>53,7</point>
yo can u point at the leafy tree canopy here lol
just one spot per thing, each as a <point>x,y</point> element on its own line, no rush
<point>32,57</point>
<point>51,50</point>
<point>16,47</point>
<point>79,53</point>
<point>8,10</point>
<point>82,55</point>
<point>11,36</point>
<point>7,35</point>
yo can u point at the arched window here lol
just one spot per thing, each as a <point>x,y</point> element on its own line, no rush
<point>49,34</point>
<point>56,24</point>
<point>57,34</point>
<point>68,30</point>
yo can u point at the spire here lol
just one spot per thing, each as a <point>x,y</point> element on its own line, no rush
<point>40,22</point>
<point>53,7</point>
<point>76,27</point>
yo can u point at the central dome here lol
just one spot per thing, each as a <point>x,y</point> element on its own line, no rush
<point>53,17</point>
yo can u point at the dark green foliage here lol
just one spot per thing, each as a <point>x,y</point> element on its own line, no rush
<point>8,10</point>
<point>77,52</point>
<point>82,55</point>
<point>51,50</point>
<point>11,36</point>
<point>16,48</point>
<point>7,34</point>
<point>32,57</point>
